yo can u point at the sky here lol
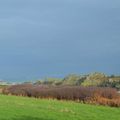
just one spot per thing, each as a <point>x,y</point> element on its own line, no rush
<point>53,38</point>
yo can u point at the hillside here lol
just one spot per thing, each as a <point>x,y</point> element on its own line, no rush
<point>92,79</point>
<point>21,108</point>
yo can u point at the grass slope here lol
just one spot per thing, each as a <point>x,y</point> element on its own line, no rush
<point>20,108</point>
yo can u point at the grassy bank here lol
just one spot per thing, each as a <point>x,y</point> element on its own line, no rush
<point>21,108</point>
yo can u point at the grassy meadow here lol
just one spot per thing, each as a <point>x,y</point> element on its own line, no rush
<point>23,108</point>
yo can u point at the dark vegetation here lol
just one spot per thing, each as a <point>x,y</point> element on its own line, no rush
<point>92,95</point>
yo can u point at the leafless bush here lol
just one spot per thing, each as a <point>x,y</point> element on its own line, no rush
<point>94,95</point>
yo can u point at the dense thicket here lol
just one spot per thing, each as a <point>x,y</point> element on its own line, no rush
<point>93,95</point>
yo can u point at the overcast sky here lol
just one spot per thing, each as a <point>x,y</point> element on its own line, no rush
<point>53,38</point>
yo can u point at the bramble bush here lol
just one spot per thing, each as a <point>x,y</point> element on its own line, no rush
<point>92,95</point>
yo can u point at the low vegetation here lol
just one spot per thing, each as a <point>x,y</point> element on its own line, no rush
<point>91,95</point>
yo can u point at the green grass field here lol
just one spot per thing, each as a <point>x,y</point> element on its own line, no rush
<point>21,108</point>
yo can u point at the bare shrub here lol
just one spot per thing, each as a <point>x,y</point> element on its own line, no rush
<point>93,95</point>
